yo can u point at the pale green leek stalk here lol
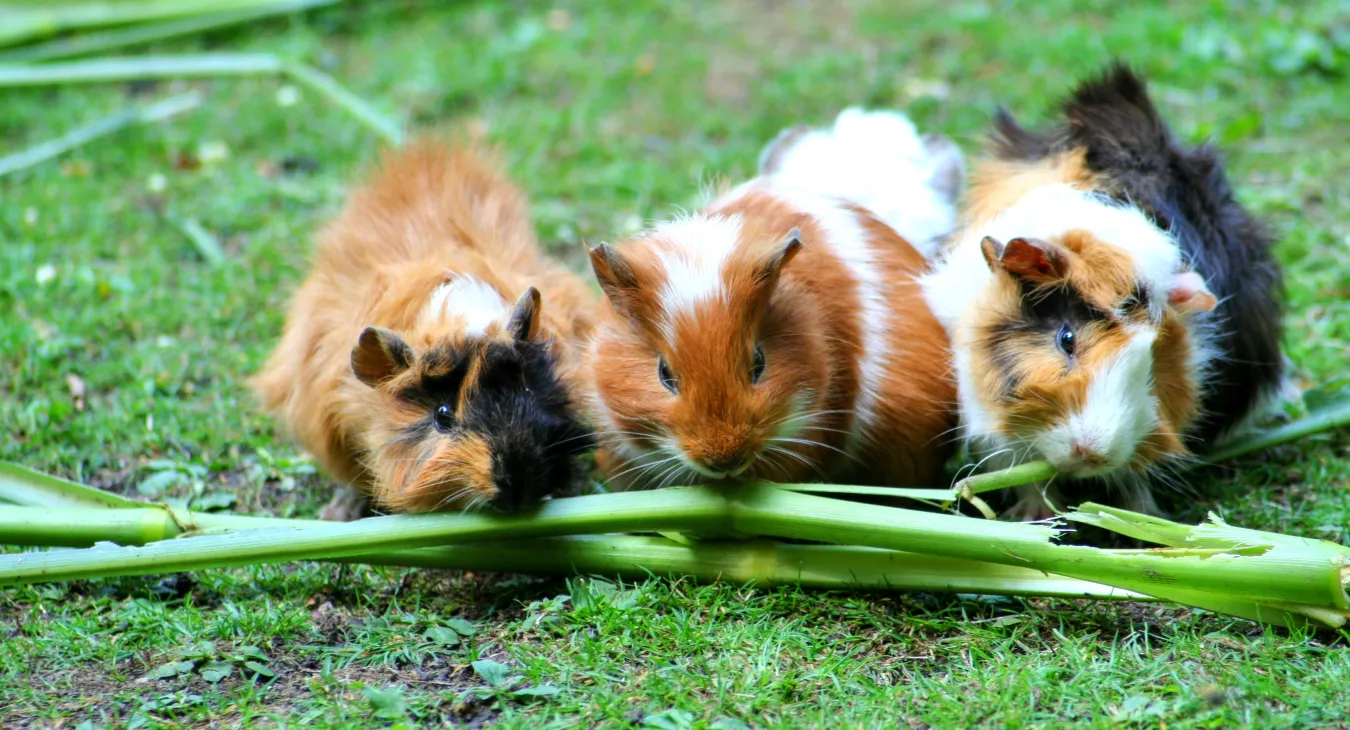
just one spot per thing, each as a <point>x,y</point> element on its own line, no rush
<point>209,65</point>
<point>203,19</point>
<point>89,516</point>
<point>29,20</point>
<point>761,561</point>
<point>1279,586</point>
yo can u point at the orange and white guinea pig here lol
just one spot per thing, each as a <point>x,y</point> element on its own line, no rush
<point>1111,306</point>
<point>779,333</point>
<point>429,358</point>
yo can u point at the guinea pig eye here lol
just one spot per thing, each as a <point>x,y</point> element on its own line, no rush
<point>444,418</point>
<point>1065,339</point>
<point>757,367</point>
<point>666,377</point>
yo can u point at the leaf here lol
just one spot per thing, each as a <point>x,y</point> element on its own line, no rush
<point>673,719</point>
<point>387,703</point>
<point>441,636</point>
<point>216,671</point>
<point>199,650</point>
<point>214,501</point>
<point>1327,396</point>
<point>494,673</point>
<point>539,690</point>
<point>251,651</point>
<point>155,484</point>
<point>461,627</point>
<point>728,723</point>
<point>259,669</point>
<point>170,669</point>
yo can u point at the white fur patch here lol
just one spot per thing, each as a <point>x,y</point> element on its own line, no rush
<point>471,299</point>
<point>1119,412</point>
<point>696,249</point>
<point>878,161</point>
<point>847,239</point>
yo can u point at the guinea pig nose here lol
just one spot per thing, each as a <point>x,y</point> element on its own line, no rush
<point>1087,455</point>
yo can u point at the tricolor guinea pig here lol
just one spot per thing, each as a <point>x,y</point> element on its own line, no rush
<point>779,333</point>
<point>429,359</point>
<point>1112,307</point>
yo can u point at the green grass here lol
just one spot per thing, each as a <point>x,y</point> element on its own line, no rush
<point>610,116</point>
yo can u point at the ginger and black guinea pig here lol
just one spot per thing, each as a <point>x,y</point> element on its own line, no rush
<point>1112,308</point>
<point>430,359</point>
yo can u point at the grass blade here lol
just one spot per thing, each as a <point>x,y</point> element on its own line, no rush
<point>109,125</point>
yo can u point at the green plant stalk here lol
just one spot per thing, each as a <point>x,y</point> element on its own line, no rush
<point>681,508</point>
<point>1031,471</point>
<point>1211,575</point>
<point>353,104</point>
<point>762,562</point>
<point>1278,575</point>
<point>103,70</point>
<point>102,128</point>
<point>22,486</point>
<point>199,66</point>
<point>140,525</point>
<point>39,20</point>
<point>88,43</point>
<point>1317,421</point>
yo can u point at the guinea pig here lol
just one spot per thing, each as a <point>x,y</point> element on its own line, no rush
<point>778,333</point>
<point>1112,308</point>
<point>419,362</point>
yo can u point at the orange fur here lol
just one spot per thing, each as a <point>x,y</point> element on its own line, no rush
<point>431,213</point>
<point>807,319</point>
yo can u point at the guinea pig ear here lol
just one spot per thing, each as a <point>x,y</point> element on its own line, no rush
<point>779,256</point>
<point>1188,293</point>
<point>524,322</point>
<point>379,355</point>
<point>614,274</point>
<point>1026,258</point>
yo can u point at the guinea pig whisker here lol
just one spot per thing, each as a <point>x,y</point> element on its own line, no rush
<point>673,475</point>
<point>644,465</point>
<point>812,442</point>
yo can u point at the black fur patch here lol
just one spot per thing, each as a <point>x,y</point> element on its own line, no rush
<point>1044,310</point>
<point>519,407</point>
<point>1186,191</point>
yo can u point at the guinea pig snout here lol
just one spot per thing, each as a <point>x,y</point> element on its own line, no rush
<point>1079,450</point>
<point>727,454</point>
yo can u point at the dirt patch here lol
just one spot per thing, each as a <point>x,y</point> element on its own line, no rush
<point>90,692</point>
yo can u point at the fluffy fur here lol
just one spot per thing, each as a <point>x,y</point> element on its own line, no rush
<point>879,161</point>
<point>1106,229</point>
<point>778,334</point>
<point>419,361</point>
